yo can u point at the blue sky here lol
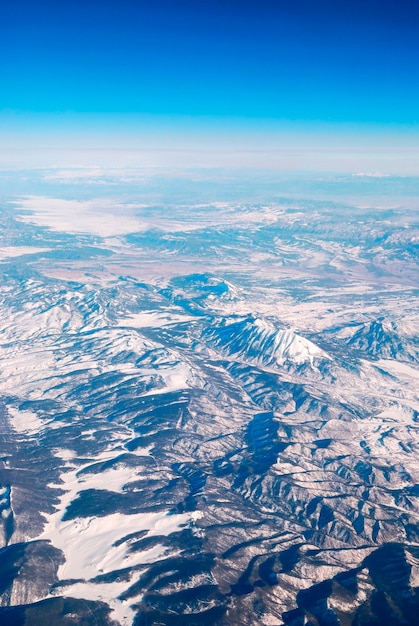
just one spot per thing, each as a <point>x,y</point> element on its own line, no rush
<point>251,75</point>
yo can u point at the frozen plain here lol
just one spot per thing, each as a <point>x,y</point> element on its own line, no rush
<point>209,404</point>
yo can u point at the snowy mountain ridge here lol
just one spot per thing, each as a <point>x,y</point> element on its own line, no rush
<point>259,340</point>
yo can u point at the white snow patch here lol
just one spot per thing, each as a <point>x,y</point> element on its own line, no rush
<point>175,378</point>
<point>63,453</point>
<point>24,421</point>
<point>102,217</point>
<point>401,370</point>
<point>296,349</point>
<point>112,479</point>
<point>88,543</point>
<point>154,319</point>
<point>121,610</point>
<point>9,252</point>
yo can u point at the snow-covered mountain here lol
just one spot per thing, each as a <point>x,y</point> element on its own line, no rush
<point>258,341</point>
<point>382,339</point>
<point>210,422</point>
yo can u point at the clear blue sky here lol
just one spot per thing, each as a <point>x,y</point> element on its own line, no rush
<point>174,66</point>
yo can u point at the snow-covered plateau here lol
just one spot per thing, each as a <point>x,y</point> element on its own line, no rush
<point>209,411</point>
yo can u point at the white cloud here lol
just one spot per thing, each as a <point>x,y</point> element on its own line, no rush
<point>372,175</point>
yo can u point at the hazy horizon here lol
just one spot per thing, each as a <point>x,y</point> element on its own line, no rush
<point>287,85</point>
